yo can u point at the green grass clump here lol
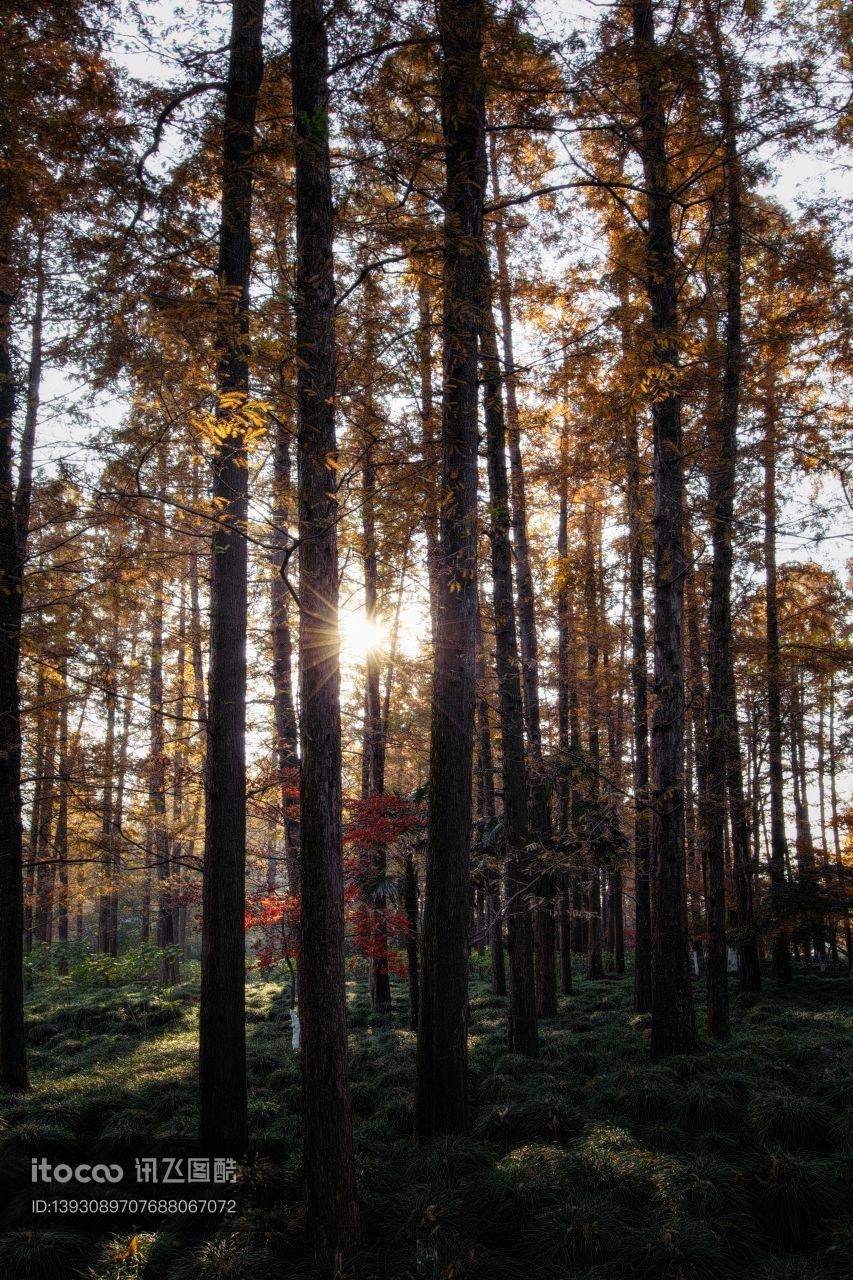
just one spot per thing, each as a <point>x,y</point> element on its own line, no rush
<point>582,1230</point>
<point>540,1114</point>
<point>43,1254</point>
<point>712,1104</point>
<point>794,1197</point>
<point>643,1094</point>
<point>791,1120</point>
<point>678,1249</point>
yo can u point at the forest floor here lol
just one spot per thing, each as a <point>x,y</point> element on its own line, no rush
<point>591,1162</point>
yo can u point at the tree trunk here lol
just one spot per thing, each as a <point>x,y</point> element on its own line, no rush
<point>410,906</point>
<point>286,730</point>
<point>486,791</point>
<point>179,769</point>
<point>223,1124</point>
<point>594,964</point>
<point>61,836</point>
<point>546,977</point>
<point>13,1055</point>
<point>107,937</point>
<point>373,755</point>
<point>781,958</point>
<point>441,1101</point>
<point>161,843</point>
<point>673,1018</point>
<point>331,1217</point>
<point>524,578</point>
<point>429,448</point>
<point>45,864</point>
<point>523,1036</point>
<point>640,687</point>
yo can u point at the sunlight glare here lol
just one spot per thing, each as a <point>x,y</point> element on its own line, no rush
<point>359,637</point>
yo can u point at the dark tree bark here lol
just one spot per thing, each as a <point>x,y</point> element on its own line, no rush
<point>546,973</point>
<point>24,491</point>
<point>38,789</point>
<point>107,935</point>
<point>196,641</point>
<point>487,809</point>
<point>429,447</point>
<point>640,688</point>
<point>836,828</point>
<point>523,1035</point>
<point>527,635</point>
<point>441,1102</point>
<point>673,1018</point>
<point>331,1219</point>
<point>161,842</point>
<point>781,956</point>
<point>13,1055</point>
<point>563,681</point>
<point>373,752</point>
<point>564,639</point>
<point>613,717</point>
<point>223,1121</point>
<point>594,964</point>
<point>179,769</point>
<point>286,730</point>
<point>696,755</point>
<point>42,853</point>
<point>725,775</point>
<point>749,971</point>
<point>410,906</point>
<point>61,836</point>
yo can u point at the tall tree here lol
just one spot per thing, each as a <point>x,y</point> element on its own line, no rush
<point>332,1219</point>
<point>441,1094</point>
<point>781,961</point>
<point>673,1018</point>
<point>222,1031</point>
<point>523,1034</point>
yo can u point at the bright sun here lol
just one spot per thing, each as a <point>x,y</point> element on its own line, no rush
<point>360,637</point>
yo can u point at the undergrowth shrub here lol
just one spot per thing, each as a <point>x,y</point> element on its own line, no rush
<point>43,1254</point>
<point>791,1120</point>
<point>793,1196</point>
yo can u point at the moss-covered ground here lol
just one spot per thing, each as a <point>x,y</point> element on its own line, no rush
<point>591,1162</point>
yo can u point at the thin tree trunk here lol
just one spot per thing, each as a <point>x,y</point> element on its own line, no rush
<point>640,686</point>
<point>45,864</point>
<point>38,712</point>
<point>486,791</point>
<point>286,730</point>
<point>373,754</point>
<point>836,826</point>
<point>410,906</point>
<point>13,1054</point>
<point>161,843</point>
<point>673,1018</point>
<point>594,964</point>
<point>523,1035</point>
<point>429,447</point>
<point>107,940</point>
<point>332,1218</point>
<point>563,682</point>
<point>781,960</point>
<point>527,636</point>
<point>546,977</point>
<point>61,836</point>
<point>223,1121</point>
<point>441,1094</point>
<point>179,769</point>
